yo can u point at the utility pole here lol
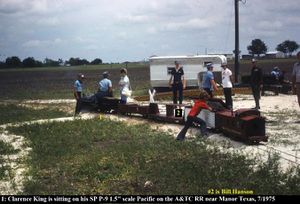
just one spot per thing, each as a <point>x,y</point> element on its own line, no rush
<point>237,46</point>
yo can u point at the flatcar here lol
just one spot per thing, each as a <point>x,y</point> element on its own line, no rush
<point>245,124</point>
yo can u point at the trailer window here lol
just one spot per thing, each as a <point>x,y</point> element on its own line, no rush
<point>205,63</point>
<point>170,70</point>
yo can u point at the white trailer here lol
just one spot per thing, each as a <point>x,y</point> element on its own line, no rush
<point>193,66</point>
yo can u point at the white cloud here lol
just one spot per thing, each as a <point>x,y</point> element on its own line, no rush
<point>41,43</point>
<point>122,35</point>
<point>52,21</point>
<point>151,30</point>
<point>34,43</point>
<point>38,6</point>
<point>23,6</point>
<point>58,40</point>
<point>80,39</point>
<point>168,26</point>
<point>133,18</point>
<point>270,25</point>
<point>91,47</point>
<point>195,23</point>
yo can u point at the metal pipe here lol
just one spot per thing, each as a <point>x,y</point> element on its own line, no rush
<point>237,49</point>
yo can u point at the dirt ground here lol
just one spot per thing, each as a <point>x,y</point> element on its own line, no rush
<point>282,115</point>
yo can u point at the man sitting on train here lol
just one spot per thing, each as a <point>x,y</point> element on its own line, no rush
<point>105,87</point>
<point>276,73</point>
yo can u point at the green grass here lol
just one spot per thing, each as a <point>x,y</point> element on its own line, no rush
<point>76,68</point>
<point>3,170</point>
<point>107,157</point>
<point>58,82</point>
<point>12,113</point>
<point>5,149</point>
<point>282,120</point>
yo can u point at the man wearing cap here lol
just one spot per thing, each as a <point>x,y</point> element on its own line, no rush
<point>227,84</point>
<point>275,73</point>
<point>296,78</point>
<point>105,87</point>
<point>209,83</point>
<point>78,89</point>
<point>177,82</point>
<point>256,82</point>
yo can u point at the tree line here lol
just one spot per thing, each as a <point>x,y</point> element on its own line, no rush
<point>258,47</point>
<point>15,62</point>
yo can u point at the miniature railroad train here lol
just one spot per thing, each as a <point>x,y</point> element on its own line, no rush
<point>243,124</point>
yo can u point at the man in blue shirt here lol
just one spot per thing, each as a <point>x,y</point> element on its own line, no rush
<point>78,89</point>
<point>276,73</point>
<point>208,80</point>
<point>105,87</point>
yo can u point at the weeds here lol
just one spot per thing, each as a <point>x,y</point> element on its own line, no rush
<point>107,157</point>
<point>5,149</point>
<point>12,113</point>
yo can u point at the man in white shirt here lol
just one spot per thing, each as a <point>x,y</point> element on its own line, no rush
<point>227,84</point>
<point>124,84</point>
<point>296,77</point>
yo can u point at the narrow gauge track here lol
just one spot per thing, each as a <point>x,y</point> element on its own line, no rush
<point>282,154</point>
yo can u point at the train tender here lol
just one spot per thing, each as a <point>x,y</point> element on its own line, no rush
<point>244,124</point>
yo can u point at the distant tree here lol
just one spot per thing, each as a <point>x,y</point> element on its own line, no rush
<point>29,62</point>
<point>287,47</point>
<point>72,61</point>
<point>38,63</point>
<point>84,62</point>
<point>280,47</point>
<point>51,63</point>
<point>13,62</point>
<point>60,61</point>
<point>257,47</point>
<point>96,61</point>
<point>77,61</point>
<point>2,65</point>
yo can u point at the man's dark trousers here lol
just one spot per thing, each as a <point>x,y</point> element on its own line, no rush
<point>189,123</point>
<point>228,98</point>
<point>177,87</point>
<point>256,95</point>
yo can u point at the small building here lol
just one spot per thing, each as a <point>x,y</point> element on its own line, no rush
<point>228,56</point>
<point>274,54</point>
<point>247,57</point>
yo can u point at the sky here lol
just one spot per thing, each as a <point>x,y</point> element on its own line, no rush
<point>134,30</point>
